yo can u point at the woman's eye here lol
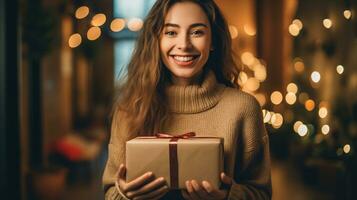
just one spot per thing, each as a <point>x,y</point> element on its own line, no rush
<point>170,33</point>
<point>197,33</point>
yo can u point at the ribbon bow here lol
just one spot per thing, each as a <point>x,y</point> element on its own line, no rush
<point>182,136</point>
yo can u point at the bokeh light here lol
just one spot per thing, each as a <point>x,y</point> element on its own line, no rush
<point>340,69</point>
<point>117,25</point>
<point>292,87</point>
<point>135,24</point>
<point>82,12</point>
<point>74,40</point>
<point>327,23</point>
<point>290,98</point>
<point>98,19</point>
<point>276,97</point>
<point>323,112</point>
<point>347,14</point>
<point>325,129</point>
<point>233,31</point>
<point>309,105</point>
<point>94,33</point>
<point>315,76</point>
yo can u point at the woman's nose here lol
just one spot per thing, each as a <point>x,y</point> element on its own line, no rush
<point>184,42</point>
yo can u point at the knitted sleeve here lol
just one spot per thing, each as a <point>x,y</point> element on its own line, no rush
<point>252,179</point>
<point>116,156</point>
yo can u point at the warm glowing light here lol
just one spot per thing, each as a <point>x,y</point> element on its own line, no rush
<point>294,30</point>
<point>340,69</point>
<point>299,66</point>
<point>297,125</point>
<point>233,31</point>
<point>247,58</point>
<point>315,76</point>
<point>249,30</point>
<point>292,87</point>
<point>327,23</point>
<point>267,117</point>
<point>325,129</point>
<point>117,25</point>
<point>75,40</point>
<point>302,130</point>
<point>261,99</point>
<point>323,112</point>
<point>252,84</point>
<point>347,148</point>
<point>309,105</point>
<point>298,23</point>
<point>303,97</point>
<point>135,24</point>
<point>94,33</point>
<point>277,120</point>
<point>276,97</point>
<point>260,72</point>
<point>290,98</point>
<point>242,78</point>
<point>82,12</point>
<point>347,14</point>
<point>98,19</point>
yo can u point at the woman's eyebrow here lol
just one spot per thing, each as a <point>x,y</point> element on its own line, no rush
<point>191,26</point>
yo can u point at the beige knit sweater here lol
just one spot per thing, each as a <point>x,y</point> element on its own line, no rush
<point>212,109</point>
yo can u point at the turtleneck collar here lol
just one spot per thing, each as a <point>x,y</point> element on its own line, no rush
<point>194,98</point>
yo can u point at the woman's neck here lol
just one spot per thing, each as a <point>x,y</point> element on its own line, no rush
<point>195,80</point>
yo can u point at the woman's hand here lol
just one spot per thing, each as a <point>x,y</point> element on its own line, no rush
<point>196,191</point>
<point>143,187</point>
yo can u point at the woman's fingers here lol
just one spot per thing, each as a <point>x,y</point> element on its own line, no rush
<point>147,187</point>
<point>207,186</point>
<point>120,182</point>
<point>121,172</point>
<point>136,183</point>
<point>156,194</point>
<point>191,191</point>
<point>200,191</point>
<point>213,192</point>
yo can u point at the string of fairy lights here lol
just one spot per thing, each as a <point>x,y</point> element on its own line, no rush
<point>299,127</point>
<point>96,23</point>
<point>257,69</point>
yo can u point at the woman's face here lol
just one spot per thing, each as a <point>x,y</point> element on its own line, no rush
<point>185,42</point>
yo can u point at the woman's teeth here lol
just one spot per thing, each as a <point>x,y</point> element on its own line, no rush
<point>184,58</point>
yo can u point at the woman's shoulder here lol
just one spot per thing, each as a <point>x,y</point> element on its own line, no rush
<point>241,100</point>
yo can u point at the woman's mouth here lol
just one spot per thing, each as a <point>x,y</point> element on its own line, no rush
<point>184,60</point>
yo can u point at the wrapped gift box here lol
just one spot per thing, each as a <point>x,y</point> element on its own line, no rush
<point>177,159</point>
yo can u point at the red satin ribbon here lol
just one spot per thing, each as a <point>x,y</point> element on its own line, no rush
<point>174,178</point>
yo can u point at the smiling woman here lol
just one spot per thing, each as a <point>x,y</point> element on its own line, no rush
<point>185,42</point>
<point>182,78</point>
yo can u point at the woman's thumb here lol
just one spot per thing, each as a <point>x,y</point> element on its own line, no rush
<point>121,172</point>
<point>226,179</point>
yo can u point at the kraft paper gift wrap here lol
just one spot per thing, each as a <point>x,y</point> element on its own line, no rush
<point>176,158</point>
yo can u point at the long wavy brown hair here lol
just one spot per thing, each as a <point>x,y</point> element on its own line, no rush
<point>141,98</point>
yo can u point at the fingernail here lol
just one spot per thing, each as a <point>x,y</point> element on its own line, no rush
<point>161,179</point>
<point>149,174</point>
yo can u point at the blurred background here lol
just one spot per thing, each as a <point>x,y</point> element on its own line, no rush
<point>60,62</point>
